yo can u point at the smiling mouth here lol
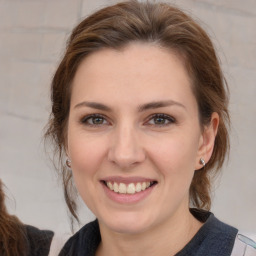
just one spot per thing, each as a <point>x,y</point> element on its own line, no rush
<point>130,188</point>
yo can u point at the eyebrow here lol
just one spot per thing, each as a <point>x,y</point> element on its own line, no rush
<point>141,108</point>
<point>94,105</point>
<point>159,104</point>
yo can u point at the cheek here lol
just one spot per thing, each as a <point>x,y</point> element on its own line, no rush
<point>85,153</point>
<point>175,155</point>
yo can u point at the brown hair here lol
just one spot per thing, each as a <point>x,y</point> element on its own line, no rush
<point>164,25</point>
<point>12,232</point>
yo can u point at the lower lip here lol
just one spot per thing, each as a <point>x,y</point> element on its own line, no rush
<point>127,198</point>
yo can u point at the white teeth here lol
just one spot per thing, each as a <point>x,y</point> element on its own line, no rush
<point>115,186</point>
<point>130,188</point>
<point>122,188</point>
<point>138,187</point>
<point>109,184</point>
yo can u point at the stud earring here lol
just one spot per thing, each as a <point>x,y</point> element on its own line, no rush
<point>202,162</point>
<point>68,163</point>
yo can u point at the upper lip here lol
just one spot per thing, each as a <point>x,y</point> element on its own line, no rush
<point>127,180</point>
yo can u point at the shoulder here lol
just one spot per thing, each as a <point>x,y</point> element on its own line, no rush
<point>86,239</point>
<point>214,238</point>
<point>39,241</point>
<point>220,237</point>
<point>213,226</point>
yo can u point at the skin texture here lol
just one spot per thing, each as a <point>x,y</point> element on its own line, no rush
<point>127,140</point>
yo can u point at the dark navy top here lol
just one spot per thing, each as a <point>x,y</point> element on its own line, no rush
<point>38,241</point>
<point>214,238</point>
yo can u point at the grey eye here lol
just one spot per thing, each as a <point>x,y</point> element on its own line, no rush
<point>96,120</point>
<point>160,120</point>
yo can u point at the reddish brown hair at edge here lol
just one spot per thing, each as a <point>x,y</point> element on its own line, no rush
<point>12,231</point>
<point>155,23</point>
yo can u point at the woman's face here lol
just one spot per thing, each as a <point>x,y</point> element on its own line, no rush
<point>134,136</point>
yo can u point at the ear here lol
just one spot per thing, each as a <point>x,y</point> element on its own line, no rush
<point>206,143</point>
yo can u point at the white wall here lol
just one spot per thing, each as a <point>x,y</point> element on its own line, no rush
<point>32,37</point>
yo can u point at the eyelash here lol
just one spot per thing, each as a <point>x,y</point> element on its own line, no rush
<point>85,120</point>
<point>165,117</point>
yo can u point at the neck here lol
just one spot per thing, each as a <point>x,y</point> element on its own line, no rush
<point>167,238</point>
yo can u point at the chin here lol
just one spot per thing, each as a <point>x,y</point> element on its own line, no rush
<point>128,228</point>
<point>128,224</point>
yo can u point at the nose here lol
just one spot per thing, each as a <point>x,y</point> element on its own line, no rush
<point>125,150</point>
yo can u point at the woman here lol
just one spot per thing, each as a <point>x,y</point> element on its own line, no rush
<point>139,114</point>
<point>17,239</point>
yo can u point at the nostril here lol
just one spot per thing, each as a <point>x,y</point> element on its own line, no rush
<point>126,158</point>
<point>125,149</point>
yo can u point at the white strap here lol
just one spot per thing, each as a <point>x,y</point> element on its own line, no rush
<point>57,243</point>
<point>54,249</point>
<point>244,246</point>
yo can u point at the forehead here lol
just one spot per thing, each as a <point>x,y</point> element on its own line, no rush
<point>140,71</point>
